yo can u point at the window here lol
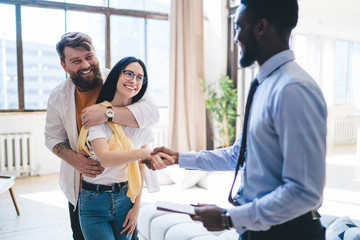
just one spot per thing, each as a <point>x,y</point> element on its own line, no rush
<point>8,70</point>
<point>127,38</point>
<point>341,75</point>
<point>92,24</point>
<point>100,3</point>
<point>148,5</point>
<point>50,26</point>
<point>116,33</point>
<point>157,62</point>
<point>334,64</point>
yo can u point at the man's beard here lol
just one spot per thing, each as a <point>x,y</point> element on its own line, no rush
<point>87,83</point>
<point>249,54</point>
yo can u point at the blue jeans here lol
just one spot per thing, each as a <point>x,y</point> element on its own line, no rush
<point>102,214</point>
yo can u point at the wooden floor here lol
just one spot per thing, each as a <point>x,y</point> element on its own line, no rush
<point>43,210</point>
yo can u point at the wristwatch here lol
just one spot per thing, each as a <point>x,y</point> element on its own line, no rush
<point>109,113</point>
<point>226,221</point>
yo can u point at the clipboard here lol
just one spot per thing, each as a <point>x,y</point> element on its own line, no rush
<point>175,207</point>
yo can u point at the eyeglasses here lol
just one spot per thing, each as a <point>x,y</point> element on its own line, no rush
<point>129,75</point>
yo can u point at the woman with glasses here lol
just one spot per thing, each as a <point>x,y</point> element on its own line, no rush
<point>109,203</point>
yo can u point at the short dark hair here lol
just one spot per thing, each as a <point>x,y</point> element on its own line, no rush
<point>281,13</point>
<point>73,40</point>
<point>108,90</point>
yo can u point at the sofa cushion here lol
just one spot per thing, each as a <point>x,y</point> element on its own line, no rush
<point>223,235</point>
<point>229,234</point>
<point>327,220</point>
<point>338,229</point>
<point>146,214</point>
<point>207,237</point>
<point>352,234</point>
<point>217,181</point>
<point>183,178</point>
<point>187,231</point>
<point>161,224</point>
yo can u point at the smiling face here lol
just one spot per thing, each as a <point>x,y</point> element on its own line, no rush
<point>126,89</point>
<point>83,68</point>
<point>245,38</point>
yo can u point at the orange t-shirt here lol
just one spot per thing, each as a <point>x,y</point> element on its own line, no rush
<point>83,100</point>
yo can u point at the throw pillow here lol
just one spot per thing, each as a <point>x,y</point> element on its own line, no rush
<point>337,230</point>
<point>183,178</point>
<point>352,233</point>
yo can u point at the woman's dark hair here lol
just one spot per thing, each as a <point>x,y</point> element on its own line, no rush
<point>281,13</point>
<point>108,90</point>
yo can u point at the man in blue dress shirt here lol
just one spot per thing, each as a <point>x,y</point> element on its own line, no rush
<point>283,176</point>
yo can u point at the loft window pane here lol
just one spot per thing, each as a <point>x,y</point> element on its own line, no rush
<point>41,30</point>
<point>99,3</point>
<point>55,0</point>
<point>127,38</point>
<point>92,24</point>
<point>354,74</point>
<point>147,5</point>
<point>158,62</point>
<point>341,79</point>
<point>8,63</point>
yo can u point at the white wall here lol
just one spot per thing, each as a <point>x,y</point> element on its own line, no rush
<point>34,123</point>
<point>331,18</point>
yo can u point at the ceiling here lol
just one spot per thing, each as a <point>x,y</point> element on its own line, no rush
<point>331,18</point>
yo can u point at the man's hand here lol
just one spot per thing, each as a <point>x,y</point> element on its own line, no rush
<point>158,161</point>
<point>210,216</point>
<point>93,115</point>
<point>168,151</point>
<point>86,166</point>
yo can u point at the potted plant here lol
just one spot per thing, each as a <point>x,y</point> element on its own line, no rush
<point>221,102</point>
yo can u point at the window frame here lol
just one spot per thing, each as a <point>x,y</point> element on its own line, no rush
<point>107,11</point>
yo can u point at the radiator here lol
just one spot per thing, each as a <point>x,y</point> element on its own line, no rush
<point>16,154</point>
<point>345,131</point>
<point>160,137</point>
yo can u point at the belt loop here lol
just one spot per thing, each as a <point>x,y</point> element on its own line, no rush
<point>97,187</point>
<point>315,214</point>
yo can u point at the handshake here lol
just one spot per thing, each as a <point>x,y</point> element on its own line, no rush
<point>160,158</point>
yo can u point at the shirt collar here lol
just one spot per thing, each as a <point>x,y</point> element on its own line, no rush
<point>274,63</point>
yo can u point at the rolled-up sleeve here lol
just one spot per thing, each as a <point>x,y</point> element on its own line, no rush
<point>145,112</point>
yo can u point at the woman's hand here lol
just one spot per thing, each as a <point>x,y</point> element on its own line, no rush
<point>158,161</point>
<point>130,220</point>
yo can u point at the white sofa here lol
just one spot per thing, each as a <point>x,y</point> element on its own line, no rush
<point>192,187</point>
<point>184,186</point>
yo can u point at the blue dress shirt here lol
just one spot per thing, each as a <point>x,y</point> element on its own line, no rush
<point>284,172</point>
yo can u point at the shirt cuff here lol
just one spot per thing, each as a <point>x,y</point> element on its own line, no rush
<point>239,217</point>
<point>187,160</point>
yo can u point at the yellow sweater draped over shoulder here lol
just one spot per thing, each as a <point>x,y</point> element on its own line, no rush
<point>117,142</point>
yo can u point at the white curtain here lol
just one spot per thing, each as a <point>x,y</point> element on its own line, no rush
<point>187,128</point>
